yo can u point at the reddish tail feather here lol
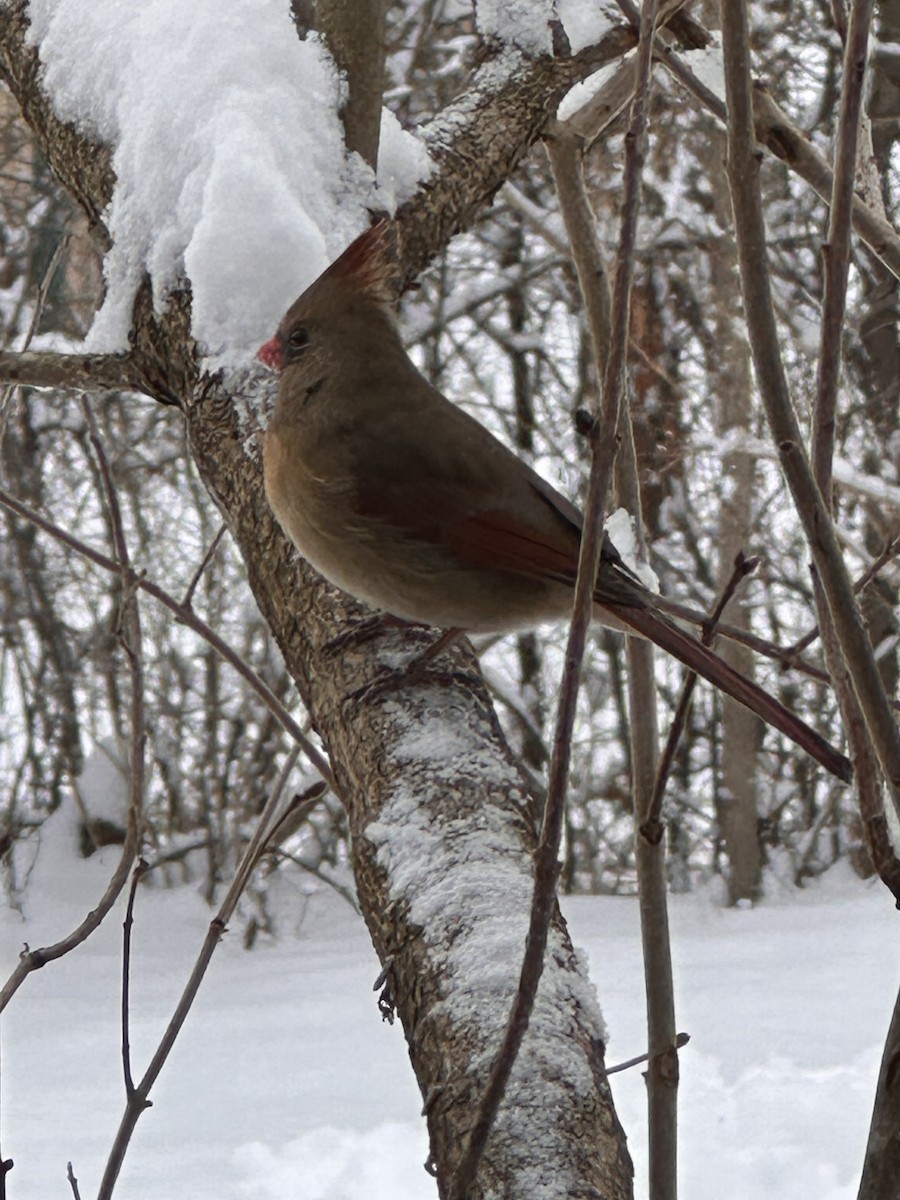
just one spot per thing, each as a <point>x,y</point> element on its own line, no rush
<point>717,671</point>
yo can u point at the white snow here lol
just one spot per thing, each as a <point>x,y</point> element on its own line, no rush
<point>586,21</point>
<point>522,23</point>
<point>707,64</point>
<point>228,155</point>
<point>582,93</point>
<point>286,1085</point>
<point>619,526</point>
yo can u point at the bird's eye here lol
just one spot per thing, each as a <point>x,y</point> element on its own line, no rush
<point>297,341</point>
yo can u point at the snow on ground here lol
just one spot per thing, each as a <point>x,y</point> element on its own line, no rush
<point>285,1082</point>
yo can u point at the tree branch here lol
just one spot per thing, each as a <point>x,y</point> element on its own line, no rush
<point>836,253</point>
<point>83,372</point>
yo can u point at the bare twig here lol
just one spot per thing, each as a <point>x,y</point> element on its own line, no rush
<point>32,960</point>
<point>188,600</point>
<point>130,624</point>
<point>866,774</point>
<point>43,292</point>
<point>73,1182</point>
<point>891,550</point>
<point>681,1040</point>
<point>743,567</point>
<point>788,143</point>
<point>138,1099</point>
<point>140,870</point>
<point>186,617</point>
<point>546,868</point>
<point>836,253</point>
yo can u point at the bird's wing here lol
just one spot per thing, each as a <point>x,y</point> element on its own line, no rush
<point>461,489</point>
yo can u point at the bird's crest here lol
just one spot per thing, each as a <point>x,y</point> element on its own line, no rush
<point>372,262</point>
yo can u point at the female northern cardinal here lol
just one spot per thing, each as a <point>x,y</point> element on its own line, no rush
<point>403,500</point>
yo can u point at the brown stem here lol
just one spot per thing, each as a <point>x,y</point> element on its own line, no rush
<point>836,253</point>
<point>743,567</point>
<point>138,1099</point>
<point>140,870</point>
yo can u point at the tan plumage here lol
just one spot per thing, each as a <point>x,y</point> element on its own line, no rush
<point>400,498</point>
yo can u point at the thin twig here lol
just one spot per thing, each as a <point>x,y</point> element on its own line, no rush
<point>138,1100</point>
<point>73,1182</point>
<point>681,1040</point>
<point>836,253</point>
<point>43,292</point>
<point>546,866</point>
<point>186,617</point>
<point>132,640</point>
<point>140,870</point>
<point>188,600</point>
<point>891,550</point>
<point>130,625</point>
<point>651,829</point>
<point>32,960</point>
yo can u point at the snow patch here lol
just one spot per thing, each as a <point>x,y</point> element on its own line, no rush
<point>707,64</point>
<point>582,93</point>
<point>523,23</point>
<point>585,22</point>
<point>619,527</point>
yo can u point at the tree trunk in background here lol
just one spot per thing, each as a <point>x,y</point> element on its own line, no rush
<point>732,382</point>
<point>741,729</point>
<point>880,363</point>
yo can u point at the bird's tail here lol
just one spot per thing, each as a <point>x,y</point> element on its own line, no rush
<point>659,629</point>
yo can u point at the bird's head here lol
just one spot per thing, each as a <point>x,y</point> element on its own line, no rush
<point>362,284</point>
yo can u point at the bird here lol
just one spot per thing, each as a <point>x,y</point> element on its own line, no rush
<point>399,497</point>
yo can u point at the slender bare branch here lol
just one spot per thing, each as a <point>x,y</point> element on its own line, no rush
<point>73,1182</point>
<point>138,1098</point>
<point>836,253</point>
<point>890,551</point>
<point>188,600</point>
<point>681,1040</point>
<point>43,292</point>
<point>778,134</point>
<point>137,874</point>
<point>32,960</point>
<point>743,567</point>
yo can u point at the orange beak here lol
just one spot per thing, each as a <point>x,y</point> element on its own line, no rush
<point>272,354</point>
